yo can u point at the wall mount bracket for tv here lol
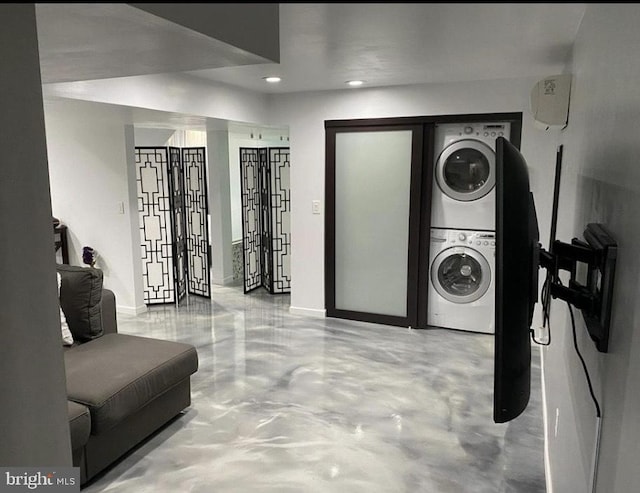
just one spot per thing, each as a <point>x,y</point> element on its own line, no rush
<point>591,265</point>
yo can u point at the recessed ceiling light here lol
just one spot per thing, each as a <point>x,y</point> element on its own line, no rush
<point>272,79</point>
<point>354,83</point>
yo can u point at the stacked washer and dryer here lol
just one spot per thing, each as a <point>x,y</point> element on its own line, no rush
<point>462,250</point>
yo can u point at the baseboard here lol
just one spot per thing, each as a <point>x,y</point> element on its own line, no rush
<point>131,310</point>
<point>545,422</point>
<point>308,312</point>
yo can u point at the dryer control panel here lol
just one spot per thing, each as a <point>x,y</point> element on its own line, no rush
<point>493,130</point>
<point>447,133</point>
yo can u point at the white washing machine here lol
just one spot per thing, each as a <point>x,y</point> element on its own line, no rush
<point>463,194</point>
<point>461,280</point>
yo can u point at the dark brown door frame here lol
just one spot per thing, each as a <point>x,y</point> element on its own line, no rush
<point>422,162</point>
<point>425,226</point>
<point>414,230</point>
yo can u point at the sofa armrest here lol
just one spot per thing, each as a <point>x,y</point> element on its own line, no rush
<point>108,312</point>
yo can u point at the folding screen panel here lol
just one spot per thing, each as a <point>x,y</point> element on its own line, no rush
<point>280,208</point>
<point>197,221</point>
<point>251,212</point>
<point>266,218</point>
<point>173,214</point>
<point>176,181</point>
<point>154,208</point>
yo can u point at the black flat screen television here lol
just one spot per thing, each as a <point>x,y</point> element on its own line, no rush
<point>517,263</point>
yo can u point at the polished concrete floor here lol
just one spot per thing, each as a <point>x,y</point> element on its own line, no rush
<point>289,404</point>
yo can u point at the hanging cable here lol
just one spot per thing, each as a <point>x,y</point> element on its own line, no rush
<point>546,302</point>
<point>584,365</point>
<point>546,305</point>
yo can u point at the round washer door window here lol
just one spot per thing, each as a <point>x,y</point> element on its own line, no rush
<point>460,275</point>
<point>466,170</point>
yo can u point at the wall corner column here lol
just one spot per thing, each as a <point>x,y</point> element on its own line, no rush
<point>34,428</point>
<point>220,207</point>
<point>134,220</point>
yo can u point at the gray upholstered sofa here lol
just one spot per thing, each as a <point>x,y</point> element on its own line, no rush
<point>121,388</point>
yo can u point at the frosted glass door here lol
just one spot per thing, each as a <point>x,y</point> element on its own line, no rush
<point>372,206</point>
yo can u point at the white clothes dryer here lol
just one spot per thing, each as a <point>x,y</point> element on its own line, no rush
<point>461,291</point>
<point>463,194</point>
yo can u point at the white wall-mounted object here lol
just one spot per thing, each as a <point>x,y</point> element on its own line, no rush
<point>550,101</point>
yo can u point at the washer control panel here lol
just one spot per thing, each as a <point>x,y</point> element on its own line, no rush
<point>457,237</point>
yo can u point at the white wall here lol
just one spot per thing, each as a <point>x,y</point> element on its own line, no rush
<point>600,183</point>
<point>163,137</point>
<point>219,207</point>
<point>152,137</point>
<point>87,147</point>
<point>187,138</point>
<point>305,113</point>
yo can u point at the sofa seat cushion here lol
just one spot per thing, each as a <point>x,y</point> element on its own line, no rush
<point>79,424</point>
<point>117,374</point>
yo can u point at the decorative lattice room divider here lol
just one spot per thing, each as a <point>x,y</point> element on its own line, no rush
<point>176,180</point>
<point>266,207</point>
<point>173,213</point>
<point>197,211</point>
<point>154,211</point>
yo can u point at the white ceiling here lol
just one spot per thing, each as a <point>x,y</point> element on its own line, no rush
<point>322,45</point>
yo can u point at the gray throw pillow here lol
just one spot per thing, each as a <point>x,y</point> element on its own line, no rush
<point>80,295</point>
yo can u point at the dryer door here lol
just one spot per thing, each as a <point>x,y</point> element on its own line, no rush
<point>465,170</point>
<point>460,274</point>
